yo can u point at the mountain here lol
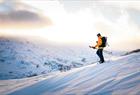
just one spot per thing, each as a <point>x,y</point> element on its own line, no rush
<point>133,51</point>
<point>120,76</point>
<point>22,57</point>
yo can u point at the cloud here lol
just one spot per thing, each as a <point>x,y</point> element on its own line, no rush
<point>18,15</point>
<point>134,15</point>
<point>76,5</point>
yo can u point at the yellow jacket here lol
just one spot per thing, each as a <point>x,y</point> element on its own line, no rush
<point>99,42</point>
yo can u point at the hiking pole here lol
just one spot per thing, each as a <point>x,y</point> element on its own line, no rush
<point>105,51</point>
<point>108,52</point>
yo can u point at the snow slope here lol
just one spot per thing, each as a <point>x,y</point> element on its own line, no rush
<point>121,76</point>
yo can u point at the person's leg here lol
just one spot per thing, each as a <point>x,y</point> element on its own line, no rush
<point>100,54</point>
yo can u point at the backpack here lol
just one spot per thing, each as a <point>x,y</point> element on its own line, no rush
<point>104,42</point>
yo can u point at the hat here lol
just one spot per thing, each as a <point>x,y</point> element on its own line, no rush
<point>98,34</point>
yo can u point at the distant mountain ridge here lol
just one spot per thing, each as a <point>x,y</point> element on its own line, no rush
<point>133,51</point>
<point>21,57</point>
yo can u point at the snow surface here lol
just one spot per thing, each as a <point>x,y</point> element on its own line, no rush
<point>120,76</point>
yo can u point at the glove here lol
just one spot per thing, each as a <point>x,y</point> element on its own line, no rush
<point>93,47</point>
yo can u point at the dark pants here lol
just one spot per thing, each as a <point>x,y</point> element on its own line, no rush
<point>100,54</point>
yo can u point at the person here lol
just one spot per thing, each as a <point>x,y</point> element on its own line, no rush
<point>99,48</point>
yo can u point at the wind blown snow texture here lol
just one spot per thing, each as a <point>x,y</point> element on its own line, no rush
<point>120,76</point>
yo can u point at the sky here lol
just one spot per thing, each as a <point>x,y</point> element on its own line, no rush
<point>74,21</point>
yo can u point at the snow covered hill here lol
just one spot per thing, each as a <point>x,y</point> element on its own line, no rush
<point>22,57</point>
<point>121,76</point>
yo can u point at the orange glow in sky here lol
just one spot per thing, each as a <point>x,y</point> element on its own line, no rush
<point>116,20</point>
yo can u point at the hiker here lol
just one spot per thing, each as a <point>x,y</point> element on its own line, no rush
<point>99,46</point>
